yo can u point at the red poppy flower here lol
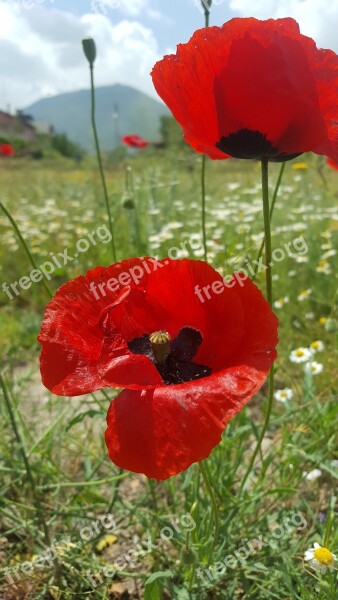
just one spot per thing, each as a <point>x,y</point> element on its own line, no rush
<point>332,164</point>
<point>253,89</point>
<point>6,150</point>
<point>135,141</point>
<point>190,351</point>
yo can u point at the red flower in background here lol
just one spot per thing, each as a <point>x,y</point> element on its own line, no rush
<point>135,141</point>
<point>332,164</point>
<point>253,89</point>
<point>188,366</point>
<point>6,150</point>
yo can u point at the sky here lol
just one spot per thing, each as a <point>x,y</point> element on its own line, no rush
<point>40,40</point>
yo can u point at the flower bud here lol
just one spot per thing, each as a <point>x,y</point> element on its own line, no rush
<point>89,49</point>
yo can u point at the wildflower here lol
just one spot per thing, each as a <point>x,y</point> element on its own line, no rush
<point>312,475</point>
<point>6,150</point>
<point>135,141</point>
<point>317,346</point>
<point>252,89</point>
<point>313,367</point>
<point>106,541</point>
<point>309,316</point>
<point>188,365</point>
<point>280,303</point>
<point>320,558</point>
<point>300,355</point>
<point>322,320</point>
<point>283,395</point>
<point>300,166</point>
<point>304,295</point>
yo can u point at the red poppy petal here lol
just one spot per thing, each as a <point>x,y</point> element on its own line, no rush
<point>273,92</point>
<point>66,372</point>
<point>71,335</point>
<point>260,328</point>
<point>163,431</point>
<point>332,164</point>
<point>162,304</point>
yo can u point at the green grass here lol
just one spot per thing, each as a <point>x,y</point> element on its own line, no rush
<point>70,484</point>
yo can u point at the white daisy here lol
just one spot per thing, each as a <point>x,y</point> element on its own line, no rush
<point>304,295</point>
<point>280,303</point>
<point>283,395</point>
<point>320,558</point>
<point>312,475</point>
<point>300,355</point>
<point>313,367</point>
<point>317,346</point>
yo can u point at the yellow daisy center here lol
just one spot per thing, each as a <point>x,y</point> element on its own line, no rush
<point>323,555</point>
<point>299,352</point>
<point>283,394</point>
<point>314,345</point>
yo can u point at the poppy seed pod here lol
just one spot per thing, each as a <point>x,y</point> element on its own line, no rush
<point>89,48</point>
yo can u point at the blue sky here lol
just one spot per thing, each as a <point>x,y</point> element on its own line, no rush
<point>177,19</point>
<point>40,40</point>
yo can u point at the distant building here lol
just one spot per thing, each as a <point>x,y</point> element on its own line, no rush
<point>42,128</point>
<point>17,126</point>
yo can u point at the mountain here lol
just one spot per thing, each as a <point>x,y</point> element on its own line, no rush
<point>120,110</point>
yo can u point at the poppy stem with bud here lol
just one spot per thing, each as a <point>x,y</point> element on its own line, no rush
<point>206,5</point>
<point>89,50</point>
<point>268,281</point>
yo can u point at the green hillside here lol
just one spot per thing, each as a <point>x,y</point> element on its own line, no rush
<point>70,113</point>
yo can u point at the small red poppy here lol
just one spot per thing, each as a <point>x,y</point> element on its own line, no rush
<point>6,150</point>
<point>135,141</point>
<point>253,89</point>
<point>190,351</point>
<point>332,164</point>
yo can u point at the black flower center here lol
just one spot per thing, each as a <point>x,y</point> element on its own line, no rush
<point>175,365</point>
<point>251,144</point>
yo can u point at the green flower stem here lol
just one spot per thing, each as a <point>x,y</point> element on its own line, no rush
<point>26,462</point>
<point>204,230</point>
<point>206,479</point>
<point>268,281</point>
<point>273,202</point>
<point>206,6</point>
<point>25,246</point>
<point>99,160</point>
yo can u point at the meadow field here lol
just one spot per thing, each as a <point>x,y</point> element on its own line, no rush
<point>75,526</point>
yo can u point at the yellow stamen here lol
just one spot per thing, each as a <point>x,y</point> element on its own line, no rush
<point>323,555</point>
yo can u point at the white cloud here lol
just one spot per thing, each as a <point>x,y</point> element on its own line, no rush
<point>41,53</point>
<point>317,18</point>
<point>132,8</point>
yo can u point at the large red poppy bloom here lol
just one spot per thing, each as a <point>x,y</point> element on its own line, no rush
<point>253,89</point>
<point>189,359</point>
<point>135,141</point>
<point>6,150</point>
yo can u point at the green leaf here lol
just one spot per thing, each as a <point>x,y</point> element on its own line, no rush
<point>153,587</point>
<point>79,418</point>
